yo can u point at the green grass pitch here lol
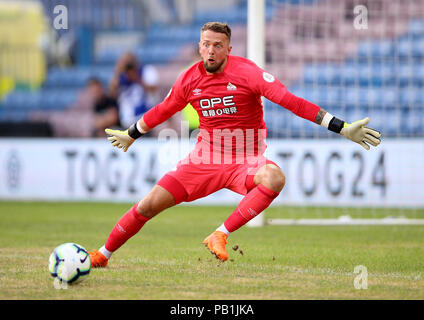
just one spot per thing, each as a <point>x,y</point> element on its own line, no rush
<point>167,260</point>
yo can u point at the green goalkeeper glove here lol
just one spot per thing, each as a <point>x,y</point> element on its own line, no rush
<point>123,139</point>
<point>359,133</point>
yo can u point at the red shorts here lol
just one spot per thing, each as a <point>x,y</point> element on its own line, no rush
<point>190,180</point>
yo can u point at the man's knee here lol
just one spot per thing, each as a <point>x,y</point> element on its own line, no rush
<point>146,208</point>
<point>155,202</point>
<point>272,177</point>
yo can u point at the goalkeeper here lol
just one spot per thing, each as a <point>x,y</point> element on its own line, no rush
<point>226,92</point>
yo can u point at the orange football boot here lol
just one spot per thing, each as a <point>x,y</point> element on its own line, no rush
<point>216,244</point>
<point>98,260</point>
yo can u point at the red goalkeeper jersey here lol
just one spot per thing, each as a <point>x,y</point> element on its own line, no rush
<point>229,104</point>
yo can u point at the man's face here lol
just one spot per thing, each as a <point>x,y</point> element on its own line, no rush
<point>96,91</point>
<point>214,48</point>
<point>132,75</point>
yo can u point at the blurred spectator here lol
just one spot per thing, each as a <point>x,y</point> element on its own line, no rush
<point>106,113</point>
<point>92,112</point>
<point>135,87</point>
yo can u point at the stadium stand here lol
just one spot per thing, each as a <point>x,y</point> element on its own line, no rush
<point>352,74</point>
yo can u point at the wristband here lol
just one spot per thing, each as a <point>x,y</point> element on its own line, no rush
<point>336,125</point>
<point>326,120</point>
<point>133,132</point>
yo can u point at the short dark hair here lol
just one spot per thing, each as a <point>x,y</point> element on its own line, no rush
<point>218,27</point>
<point>130,66</point>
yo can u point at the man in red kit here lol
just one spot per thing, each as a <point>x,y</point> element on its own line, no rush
<point>226,92</point>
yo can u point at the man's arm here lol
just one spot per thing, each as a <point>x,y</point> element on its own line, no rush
<point>110,117</point>
<point>271,88</point>
<point>320,116</point>
<point>142,126</point>
<point>114,86</point>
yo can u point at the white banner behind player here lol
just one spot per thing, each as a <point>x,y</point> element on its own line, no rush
<point>318,172</point>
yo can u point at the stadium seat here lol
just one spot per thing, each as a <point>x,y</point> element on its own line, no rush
<point>411,96</point>
<point>372,49</point>
<point>230,16</point>
<point>10,115</point>
<point>161,34</point>
<point>327,74</point>
<point>76,77</point>
<point>409,47</point>
<point>416,28</point>
<point>418,76</point>
<point>414,121</point>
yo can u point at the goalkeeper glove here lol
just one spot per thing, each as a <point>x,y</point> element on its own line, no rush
<point>359,133</point>
<point>123,139</point>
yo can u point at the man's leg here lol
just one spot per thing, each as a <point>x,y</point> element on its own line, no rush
<point>131,222</point>
<point>269,180</point>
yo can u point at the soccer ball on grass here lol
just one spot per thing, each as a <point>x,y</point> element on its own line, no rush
<point>69,263</point>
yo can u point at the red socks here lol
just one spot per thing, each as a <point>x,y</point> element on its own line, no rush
<point>256,201</point>
<point>129,224</point>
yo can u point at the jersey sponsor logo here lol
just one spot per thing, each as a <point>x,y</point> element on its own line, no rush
<point>219,112</point>
<point>212,102</point>
<point>268,77</point>
<point>196,92</point>
<point>209,110</point>
<point>230,86</point>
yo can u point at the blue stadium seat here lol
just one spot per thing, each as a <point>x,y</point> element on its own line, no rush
<point>230,16</point>
<point>22,100</point>
<point>404,47</point>
<point>325,74</point>
<point>349,74</point>
<point>418,48</point>
<point>76,77</point>
<point>161,34</point>
<point>405,73</point>
<point>53,99</point>
<point>379,118</point>
<point>109,56</point>
<point>13,100</point>
<point>416,28</point>
<point>418,76</point>
<point>11,115</point>
<point>411,96</point>
<point>157,54</point>
<point>383,74</point>
<point>394,122</point>
<point>364,74</point>
<point>414,121</point>
<point>409,47</point>
<point>376,49</point>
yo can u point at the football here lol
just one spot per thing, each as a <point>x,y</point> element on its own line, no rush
<point>69,263</point>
